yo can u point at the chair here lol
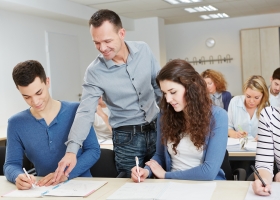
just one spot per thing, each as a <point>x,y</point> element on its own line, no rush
<point>239,173</point>
<point>105,166</point>
<point>26,163</point>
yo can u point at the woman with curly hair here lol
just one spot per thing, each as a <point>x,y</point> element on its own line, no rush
<point>244,110</point>
<point>217,85</point>
<point>191,140</point>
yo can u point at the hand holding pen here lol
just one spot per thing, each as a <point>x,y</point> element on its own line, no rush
<point>25,181</point>
<point>265,189</point>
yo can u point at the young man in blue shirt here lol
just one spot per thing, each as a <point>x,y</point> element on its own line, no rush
<point>41,131</point>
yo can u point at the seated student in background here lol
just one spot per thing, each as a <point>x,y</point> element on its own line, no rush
<point>217,85</point>
<point>41,131</point>
<point>274,89</point>
<point>268,149</point>
<point>101,124</point>
<point>244,110</point>
<point>191,143</point>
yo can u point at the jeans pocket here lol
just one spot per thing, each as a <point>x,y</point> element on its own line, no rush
<point>122,137</point>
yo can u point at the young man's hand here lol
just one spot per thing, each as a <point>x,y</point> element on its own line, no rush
<point>24,183</point>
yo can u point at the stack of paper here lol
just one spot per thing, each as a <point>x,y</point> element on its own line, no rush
<point>72,188</point>
<point>160,191</point>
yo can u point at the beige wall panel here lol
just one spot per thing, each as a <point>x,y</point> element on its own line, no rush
<point>250,53</point>
<point>269,51</point>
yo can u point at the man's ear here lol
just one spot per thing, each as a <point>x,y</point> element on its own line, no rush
<point>122,33</point>
<point>48,82</point>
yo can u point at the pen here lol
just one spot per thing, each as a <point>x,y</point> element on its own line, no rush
<point>137,167</point>
<point>258,175</point>
<point>28,177</point>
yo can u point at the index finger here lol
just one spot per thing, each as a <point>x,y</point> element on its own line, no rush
<point>59,172</point>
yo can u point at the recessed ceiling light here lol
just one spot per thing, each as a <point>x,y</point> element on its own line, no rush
<point>190,10</point>
<point>172,1</point>
<point>214,16</point>
<point>201,9</point>
<point>190,1</point>
<point>205,17</point>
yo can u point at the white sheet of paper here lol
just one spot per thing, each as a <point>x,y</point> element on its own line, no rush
<point>76,188</point>
<point>183,191</point>
<point>275,193</point>
<point>232,141</point>
<point>33,192</point>
<point>251,145</point>
<point>163,191</point>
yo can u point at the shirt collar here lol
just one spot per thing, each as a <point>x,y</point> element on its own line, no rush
<point>241,102</point>
<point>132,51</point>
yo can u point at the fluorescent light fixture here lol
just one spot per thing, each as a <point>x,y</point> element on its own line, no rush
<point>201,9</point>
<point>225,15</point>
<point>172,1</point>
<point>212,8</point>
<point>205,17</point>
<point>190,1</point>
<point>214,16</point>
<point>190,10</point>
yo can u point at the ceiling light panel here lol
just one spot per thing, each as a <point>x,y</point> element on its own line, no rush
<point>201,9</point>
<point>214,16</point>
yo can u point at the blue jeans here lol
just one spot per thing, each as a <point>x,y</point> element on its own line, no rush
<point>128,144</point>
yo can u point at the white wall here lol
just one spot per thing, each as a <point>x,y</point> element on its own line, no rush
<point>188,40</point>
<point>22,37</point>
<point>151,31</point>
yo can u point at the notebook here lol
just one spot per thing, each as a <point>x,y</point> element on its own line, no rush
<point>160,191</point>
<point>72,188</point>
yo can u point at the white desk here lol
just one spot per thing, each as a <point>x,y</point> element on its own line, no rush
<point>3,133</point>
<point>230,190</point>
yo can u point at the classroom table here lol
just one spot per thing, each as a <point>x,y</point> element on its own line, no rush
<point>230,190</point>
<point>235,153</point>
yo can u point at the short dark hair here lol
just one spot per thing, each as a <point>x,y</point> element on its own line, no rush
<point>25,72</point>
<point>276,74</point>
<point>99,17</point>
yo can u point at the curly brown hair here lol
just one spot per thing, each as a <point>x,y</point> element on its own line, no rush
<point>194,120</point>
<point>218,79</point>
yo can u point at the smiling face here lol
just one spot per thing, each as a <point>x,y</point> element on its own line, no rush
<point>174,94</point>
<point>252,98</point>
<point>107,39</point>
<point>210,85</point>
<point>36,94</point>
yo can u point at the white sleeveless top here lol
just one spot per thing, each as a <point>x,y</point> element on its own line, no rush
<point>187,157</point>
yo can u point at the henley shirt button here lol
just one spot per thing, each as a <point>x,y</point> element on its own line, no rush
<point>50,141</point>
<point>139,93</point>
<point>133,79</point>
<point>141,106</point>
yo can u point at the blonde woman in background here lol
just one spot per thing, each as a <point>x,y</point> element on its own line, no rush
<point>244,110</point>
<point>216,85</point>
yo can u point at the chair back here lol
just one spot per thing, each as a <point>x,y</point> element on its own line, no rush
<point>105,166</point>
<point>226,167</point>
<point>25,163</point>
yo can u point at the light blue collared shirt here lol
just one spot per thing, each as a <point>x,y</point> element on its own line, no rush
<point>238,116</point>
<point>129,90</point>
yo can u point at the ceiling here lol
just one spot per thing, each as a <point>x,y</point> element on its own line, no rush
<point>172,14</point>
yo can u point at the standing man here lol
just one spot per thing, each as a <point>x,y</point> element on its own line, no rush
<point>124,74</point>
<point>274,89</point>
